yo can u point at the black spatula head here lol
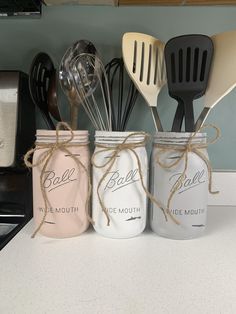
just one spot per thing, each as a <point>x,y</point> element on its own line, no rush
<point>188,60</point>
<point>41,72</point>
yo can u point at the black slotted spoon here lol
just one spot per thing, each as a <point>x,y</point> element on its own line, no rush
<point>40,74</point>
<point>188,61</point>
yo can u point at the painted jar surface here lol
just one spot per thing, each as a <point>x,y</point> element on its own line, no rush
<point>120,187</point>
<point>65,182</point>
<point>188,205</point>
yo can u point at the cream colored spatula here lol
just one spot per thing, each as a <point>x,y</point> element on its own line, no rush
<point>143,57</point>
<point>223,72</point>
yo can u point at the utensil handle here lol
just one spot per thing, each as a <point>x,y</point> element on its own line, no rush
<point>48,120</point>
<point>156,119</point>
<point>120,96</point>
<point>128,109</point>
<point>189,115</point>
<point>202,117</point>
<point>178,118</point>
<point>73,116</point>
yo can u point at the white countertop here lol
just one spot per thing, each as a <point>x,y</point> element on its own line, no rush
<point>148,274</point>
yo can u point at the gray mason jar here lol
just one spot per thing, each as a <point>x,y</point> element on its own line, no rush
<point>185,186</point>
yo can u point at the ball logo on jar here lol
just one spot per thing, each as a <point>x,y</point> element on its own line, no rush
<point>53,180</point>
<point>117,181</point>
<point>188,182</point>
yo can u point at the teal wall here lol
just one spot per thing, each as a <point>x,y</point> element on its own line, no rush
<point>60,26</point>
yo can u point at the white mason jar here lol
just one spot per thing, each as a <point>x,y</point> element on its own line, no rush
<point>188,204</point>
<point>119,186</point>
<point>65,182</point>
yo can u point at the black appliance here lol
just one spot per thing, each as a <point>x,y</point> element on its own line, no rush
<point>17,135</point>
<point>20,8</point>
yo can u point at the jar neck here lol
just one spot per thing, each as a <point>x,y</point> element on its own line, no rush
<point>50,136</point>
<point>179,138</point>
<point>116,138</point>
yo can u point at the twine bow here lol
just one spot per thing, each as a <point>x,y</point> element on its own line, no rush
<point>185,150</point>
<point>49,150</point>
<point>115,150</point>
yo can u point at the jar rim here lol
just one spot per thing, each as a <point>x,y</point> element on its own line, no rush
<point>177,134</point>
<point>117,137</point>
<point>99,133</point>
<point>178,137</point>
<point>43,132</point>
<point>49,136</point>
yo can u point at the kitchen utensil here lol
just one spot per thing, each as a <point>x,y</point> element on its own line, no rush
<point>40,72</point>
<point>122,99</point>
<point>65,77</point>
<point>222,77</point>
<point>179,115</point>
<point>188,60</point>
<point>144,60</point>
<point>81,82</point>
<point>52,98</point>
<point>88,73</point>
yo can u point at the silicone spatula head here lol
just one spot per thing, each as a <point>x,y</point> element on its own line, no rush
<point>144,60</point>
<point>188,61</point>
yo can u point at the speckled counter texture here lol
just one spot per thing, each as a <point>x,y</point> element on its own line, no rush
<point>147,274</point>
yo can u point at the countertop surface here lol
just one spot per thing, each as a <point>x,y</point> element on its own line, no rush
<point>90,274</point>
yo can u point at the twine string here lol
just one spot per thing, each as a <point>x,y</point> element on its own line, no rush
<point>109,163</point>
<point>49,150</point>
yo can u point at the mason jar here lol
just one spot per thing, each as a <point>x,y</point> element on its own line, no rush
<point>64,181</point>
<point>179,177</point>
<point>119,200</point>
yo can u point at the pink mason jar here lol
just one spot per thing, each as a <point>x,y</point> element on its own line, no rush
<point>61,175</point>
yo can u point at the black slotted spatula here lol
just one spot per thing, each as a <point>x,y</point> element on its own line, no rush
<point>188,60</point>
<point>40,75</point>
